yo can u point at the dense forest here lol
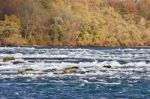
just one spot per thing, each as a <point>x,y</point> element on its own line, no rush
<point>75,22</point>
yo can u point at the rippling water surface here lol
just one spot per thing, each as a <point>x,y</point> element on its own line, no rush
<point>128,77</point>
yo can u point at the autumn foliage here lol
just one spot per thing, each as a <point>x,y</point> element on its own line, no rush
<point>75,22</point>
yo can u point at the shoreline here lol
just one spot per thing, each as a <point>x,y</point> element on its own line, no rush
<point>70,46</point>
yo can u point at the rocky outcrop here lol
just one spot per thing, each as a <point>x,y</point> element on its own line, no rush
<point>17,62</point>
<point>70,70</point>
<point>24,71</point>
<point>107,66</point>
<point>8,58</point>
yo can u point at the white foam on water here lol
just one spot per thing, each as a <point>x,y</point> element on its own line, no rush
<point>130,68</point>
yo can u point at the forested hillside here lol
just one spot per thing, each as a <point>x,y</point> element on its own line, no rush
<point>75,22</point>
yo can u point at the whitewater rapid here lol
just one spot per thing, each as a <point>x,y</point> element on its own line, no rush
<point>97,73</point>
<point>131,63</point>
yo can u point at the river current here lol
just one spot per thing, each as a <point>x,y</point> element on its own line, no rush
<point>127,77</point>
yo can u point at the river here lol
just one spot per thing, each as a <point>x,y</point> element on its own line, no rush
<point>127,77</point>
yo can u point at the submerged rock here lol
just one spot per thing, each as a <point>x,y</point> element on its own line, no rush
<point>8,58</point>
<point>50,70</point>
<point>29,69</point>
<point>70,70</point>
<point>107,66</point>
<point>82,72</point>
<point>17,62</point>
<point>24,71</point>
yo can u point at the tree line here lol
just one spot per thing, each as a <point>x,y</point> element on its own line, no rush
<point>75,22</point>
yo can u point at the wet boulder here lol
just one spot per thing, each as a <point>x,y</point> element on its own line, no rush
<point>82,72</point>
<point>50,70</point>
<point>70,70</point>
<point>8,58</point>
<point>24,71</point>
<point>17,62</point>
<point>107,66</point>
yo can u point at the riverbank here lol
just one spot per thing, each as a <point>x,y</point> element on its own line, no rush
<point>72,46</point>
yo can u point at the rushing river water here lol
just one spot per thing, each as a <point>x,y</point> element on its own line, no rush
<point>127,78</point>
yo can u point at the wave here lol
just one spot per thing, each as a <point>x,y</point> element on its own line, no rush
<point>51,62</point>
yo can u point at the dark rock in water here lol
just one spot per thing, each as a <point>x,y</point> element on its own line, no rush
<point>57,73</point>
<point>107,66</point>
<point>82,72</point>
<point>8,58</point>
<point>24,71</point>
<point>17,62</point>
<point>70,70</point>
<point>29,69</point>
<point>50,70</point>
<point>103,70</point>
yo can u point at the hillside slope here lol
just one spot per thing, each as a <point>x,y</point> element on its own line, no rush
<point>75,22</point>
